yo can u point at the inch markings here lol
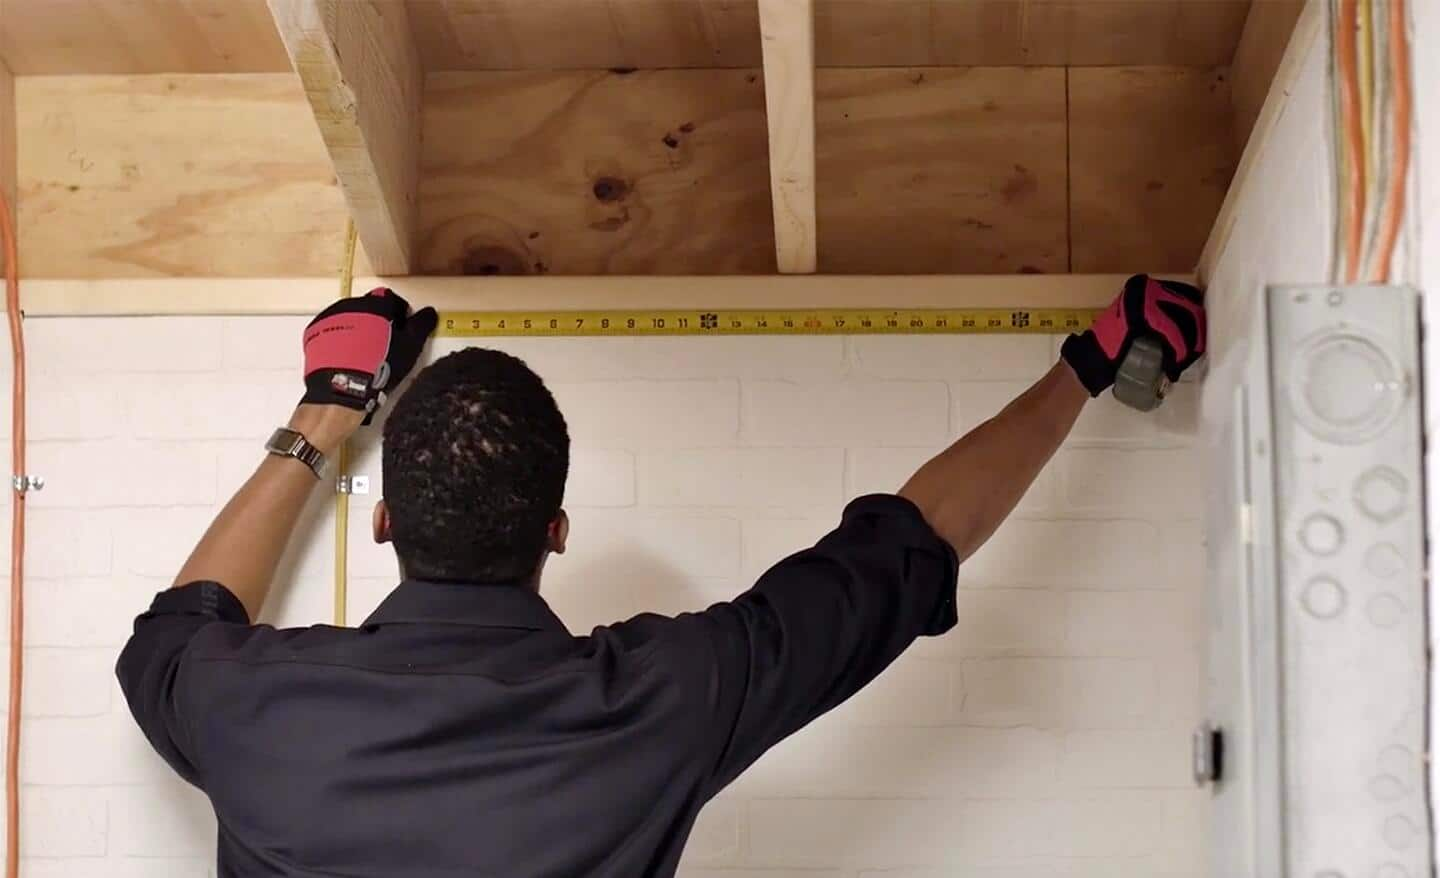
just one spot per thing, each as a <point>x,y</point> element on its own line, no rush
<point>812,321</point>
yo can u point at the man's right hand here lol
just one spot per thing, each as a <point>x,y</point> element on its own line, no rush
<point>1170,311</point>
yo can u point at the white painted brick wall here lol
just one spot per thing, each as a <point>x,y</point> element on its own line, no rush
<point>1045,736</point>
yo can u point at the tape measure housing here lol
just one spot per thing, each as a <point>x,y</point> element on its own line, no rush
<point>812,321</point>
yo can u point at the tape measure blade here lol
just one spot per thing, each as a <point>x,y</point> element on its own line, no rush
<point>823,321</point>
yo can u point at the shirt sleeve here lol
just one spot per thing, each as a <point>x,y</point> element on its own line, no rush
<point>819,626</point>
<point>150,666</point>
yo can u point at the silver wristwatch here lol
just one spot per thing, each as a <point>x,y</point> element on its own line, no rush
<point>291,443</point>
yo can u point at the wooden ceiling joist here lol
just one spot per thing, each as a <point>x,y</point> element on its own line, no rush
<point>362,76</point>
<point>787,37</point>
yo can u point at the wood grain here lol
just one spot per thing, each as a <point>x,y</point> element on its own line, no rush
<point>362,77</point>
<point>862,33</point>
<point>1311,30</point>
<point>182,176</point>
<point>941,170</point>
<point>734,27</point>
<point>508,35</point>
<point>1151,155</point>
<point>1028,32</point>
<point>1257,58</point>
<point>1130,32</point>
<point>787,29</point>
<point>7,143</point>
<point>938,170</point>
<point>596,173</point>
<point>140,36</point>
<point>208,36</point>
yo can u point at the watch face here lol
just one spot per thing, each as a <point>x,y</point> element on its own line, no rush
<point>289,443</point>
<point>284,441</point>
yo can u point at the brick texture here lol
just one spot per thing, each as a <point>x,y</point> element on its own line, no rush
<point>1045,736</point>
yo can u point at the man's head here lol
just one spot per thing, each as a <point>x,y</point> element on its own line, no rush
<point>474,461</point>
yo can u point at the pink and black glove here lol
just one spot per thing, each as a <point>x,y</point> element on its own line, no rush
<point>1170,311</point>
<point>359,347</point>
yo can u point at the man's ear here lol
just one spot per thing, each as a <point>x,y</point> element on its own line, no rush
<point>558,533</point>
<point>380,522</point>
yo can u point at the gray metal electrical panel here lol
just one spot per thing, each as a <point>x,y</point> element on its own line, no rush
<point>1315,744</point>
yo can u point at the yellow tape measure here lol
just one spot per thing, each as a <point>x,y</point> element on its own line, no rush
<point>811,321</point>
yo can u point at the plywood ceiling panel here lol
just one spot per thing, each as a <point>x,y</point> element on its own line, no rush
<point>207,36</point>
<point>140,36</point>
<point>854,33</point>
<point>941,170</point>
<point>1151,155</point>
<point>596,173</point>
<point>158,176</point>
<point>660,172</point>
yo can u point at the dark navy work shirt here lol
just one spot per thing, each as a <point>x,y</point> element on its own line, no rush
<point>462,731</point>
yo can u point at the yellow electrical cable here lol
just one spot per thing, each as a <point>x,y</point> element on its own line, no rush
<point>1365,44</point>
<point>342,498</point>
<point>1365,54</point>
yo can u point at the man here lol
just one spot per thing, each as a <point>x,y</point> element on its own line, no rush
<point>461,730</point>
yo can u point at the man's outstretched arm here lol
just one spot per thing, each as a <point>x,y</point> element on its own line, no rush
<point>821,624</point>
<point>355,350</point>
<point>966,491</point>
<point>242,547</point>
<point>969,489</point>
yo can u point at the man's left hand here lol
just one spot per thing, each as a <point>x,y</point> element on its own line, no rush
<point>360,348</point>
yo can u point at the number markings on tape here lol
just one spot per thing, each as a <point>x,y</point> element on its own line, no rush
<point>813,321</point>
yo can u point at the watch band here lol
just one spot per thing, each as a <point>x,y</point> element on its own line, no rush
<point>285,442</point>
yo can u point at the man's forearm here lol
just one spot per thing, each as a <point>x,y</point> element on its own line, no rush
<point>967,490</point>
<point>242,548</point>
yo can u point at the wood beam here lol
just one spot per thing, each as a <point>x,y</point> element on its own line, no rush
<point>362,76</point>
<point>1257,58</point>
<point>306,295</point>
<point>787,40</point>
<point>1308,32</point>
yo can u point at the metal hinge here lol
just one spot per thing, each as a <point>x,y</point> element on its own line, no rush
<point>352,485</point>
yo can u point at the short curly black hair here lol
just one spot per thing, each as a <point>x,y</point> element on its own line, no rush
<point>474,462</point>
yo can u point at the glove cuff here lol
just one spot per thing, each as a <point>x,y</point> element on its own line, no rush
<point>1085,357</point>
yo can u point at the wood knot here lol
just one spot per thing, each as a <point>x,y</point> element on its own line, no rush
<point>610,189</point>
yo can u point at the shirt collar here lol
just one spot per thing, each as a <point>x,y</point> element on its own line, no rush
<point>486,605</point>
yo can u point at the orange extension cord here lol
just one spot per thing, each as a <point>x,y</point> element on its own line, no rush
<point>1395,196</point>
<point>17,543</point>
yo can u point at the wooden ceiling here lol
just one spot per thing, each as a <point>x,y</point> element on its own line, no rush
<point>951,136</point>
<point>237,36</point>
<point>920,171</point>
